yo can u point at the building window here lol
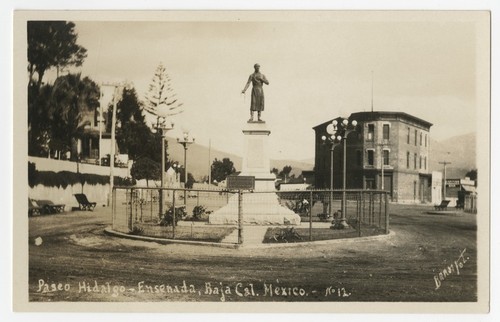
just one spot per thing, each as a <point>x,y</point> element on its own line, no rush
<point>426,140</point>
<point>359,158</point>
<point>416,138</point>
<point>420,163</point>
<point>408,160</point>
<point>371,132</point>
<point>415,161</point>
<point>96,116</point>
<point>386,132</point>
<point>386,157</point>
<point>370,157</point>
<point>408,136</point>
<point>420,138</point>
<point>425,163</point>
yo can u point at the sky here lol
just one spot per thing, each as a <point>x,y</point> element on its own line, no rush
<point>317,69</point>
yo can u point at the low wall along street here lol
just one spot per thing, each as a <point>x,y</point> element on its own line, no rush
<point>59,195</point>
<point>95,192</point>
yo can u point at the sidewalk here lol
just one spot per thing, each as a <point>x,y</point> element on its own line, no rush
<point>252,235</point>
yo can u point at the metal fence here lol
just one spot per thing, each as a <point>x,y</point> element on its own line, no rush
<point>184,214</point>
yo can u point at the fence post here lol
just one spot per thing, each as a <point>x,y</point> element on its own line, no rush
<point>310,214</point>
<point>240,217</point>
<point>173,214</point>
<point>160,203</point>
<point>380,211</point>
<point>113,208</point>
<point>152,204</point>
<point>134,200</point>
<point>363,205</point>
<point>129,203</point>
<point>358,205</point>
<point>371,209</point>
<point>386,213</point>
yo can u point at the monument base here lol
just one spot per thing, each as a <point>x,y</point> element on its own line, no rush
<point>257,209</point>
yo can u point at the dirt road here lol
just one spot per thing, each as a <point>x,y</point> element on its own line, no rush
<point>78,262</point>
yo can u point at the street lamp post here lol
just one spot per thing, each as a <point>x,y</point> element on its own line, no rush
<point>161,125</point>
<point>444,163</point>
<point>333,141</point>
<point>185,142</point>
<point>342,131</point>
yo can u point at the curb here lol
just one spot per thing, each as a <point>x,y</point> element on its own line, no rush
<point>109,231</point>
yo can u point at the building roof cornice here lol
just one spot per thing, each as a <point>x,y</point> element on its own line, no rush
<point>380,115</point>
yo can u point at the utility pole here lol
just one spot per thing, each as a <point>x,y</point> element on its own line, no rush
<point>112,148</point>
<point>209,163</point>
<point>444,163</point>
<point>372,91</point>
<point>382,165</point>
<point>101,106</point>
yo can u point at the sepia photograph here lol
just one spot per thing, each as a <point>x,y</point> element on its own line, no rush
<point>252,161</point>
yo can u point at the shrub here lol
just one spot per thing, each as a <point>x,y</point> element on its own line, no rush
<point>168,218</point>
<point>198,212</point>
<point>32,173</point>
<point>137,230</point>
<point>286,235</point>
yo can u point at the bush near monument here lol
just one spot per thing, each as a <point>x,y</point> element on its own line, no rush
<point>168,217</point>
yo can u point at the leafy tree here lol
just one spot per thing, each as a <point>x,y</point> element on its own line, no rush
<point>145,168</point>
<point>285,172</point>
<point>190,181</point>
<point>134,137</point>
<point>190,177</point>
<point>472,174</point>
<point>221,169</point>
<point>275,171</point>
<point>52,44</point>
<point>161,100</point>
<point>129,108</point>
<point>39,115</point>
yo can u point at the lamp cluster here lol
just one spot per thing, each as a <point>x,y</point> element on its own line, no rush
<point>162,125</point>
<point>337,131</point>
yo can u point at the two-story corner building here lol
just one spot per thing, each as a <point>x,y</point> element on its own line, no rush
<point>390,145</point>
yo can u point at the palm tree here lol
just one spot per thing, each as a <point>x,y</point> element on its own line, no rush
<point>72,98</point>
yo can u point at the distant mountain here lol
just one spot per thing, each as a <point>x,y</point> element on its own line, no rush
<point>459,150</point>
<point>197,157</point>
<point>198,163</point>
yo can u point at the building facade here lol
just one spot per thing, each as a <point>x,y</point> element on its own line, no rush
<point>388,150</point>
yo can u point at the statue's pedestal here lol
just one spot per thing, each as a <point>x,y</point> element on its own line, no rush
<point>256,161</point>
<point>261,207</point>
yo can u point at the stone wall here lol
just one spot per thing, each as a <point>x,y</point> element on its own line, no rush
<point>95,193</point>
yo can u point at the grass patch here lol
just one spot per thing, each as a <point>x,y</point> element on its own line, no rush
<point>297,235</point>
<point>198,233</point>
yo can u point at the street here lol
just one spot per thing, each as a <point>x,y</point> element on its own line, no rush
<point>76,261</point>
